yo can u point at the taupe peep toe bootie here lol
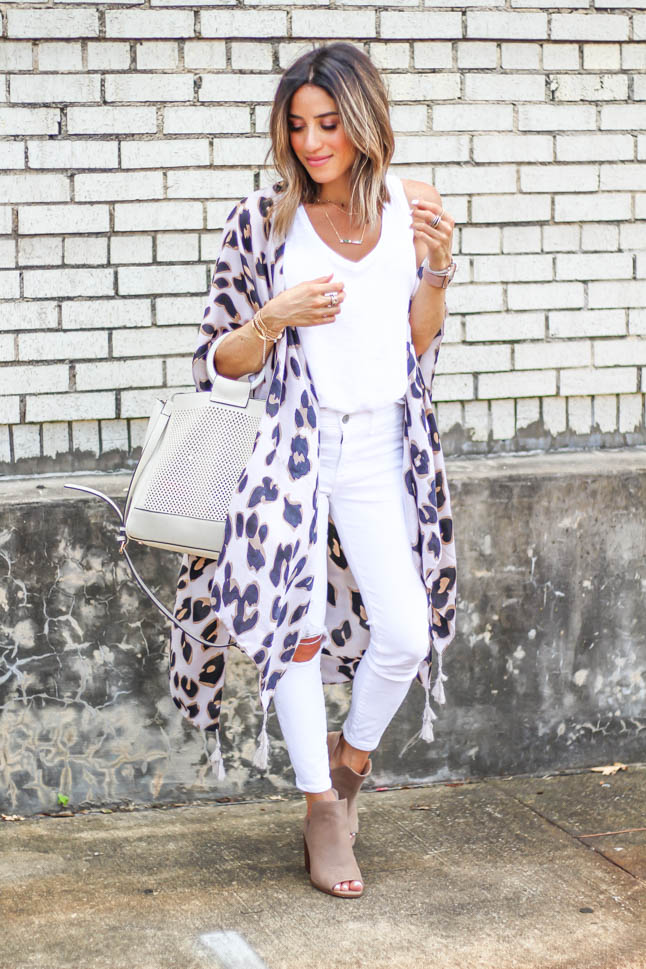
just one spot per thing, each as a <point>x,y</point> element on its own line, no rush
<point>347,782</point>
<point>329,858</point>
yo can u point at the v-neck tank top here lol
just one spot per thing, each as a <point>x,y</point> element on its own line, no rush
<point>358,362</point>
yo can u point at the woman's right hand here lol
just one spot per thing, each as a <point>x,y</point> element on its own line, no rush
<point>306,304</point>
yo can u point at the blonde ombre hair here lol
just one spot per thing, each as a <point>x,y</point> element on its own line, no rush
<point>352,80</point>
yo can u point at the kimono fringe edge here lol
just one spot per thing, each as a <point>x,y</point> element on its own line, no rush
<point>261,755</point>
<point>438,694</point>
<point>216,759</point>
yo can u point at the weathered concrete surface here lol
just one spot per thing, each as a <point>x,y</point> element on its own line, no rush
<point>608,814</point>
<point>485,875</point>
<point>547,670</point>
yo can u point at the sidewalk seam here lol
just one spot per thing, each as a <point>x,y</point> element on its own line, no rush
<point>574,837</point>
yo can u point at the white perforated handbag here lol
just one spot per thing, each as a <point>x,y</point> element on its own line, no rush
<point>195,448</point>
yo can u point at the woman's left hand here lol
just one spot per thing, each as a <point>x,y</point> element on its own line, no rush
<point>437,239</point>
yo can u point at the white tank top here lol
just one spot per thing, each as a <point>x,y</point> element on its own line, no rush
<point>359,361</point>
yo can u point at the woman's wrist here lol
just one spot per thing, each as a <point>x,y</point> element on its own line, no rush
<point>240,353</point>
<point>441,277</point>
<point>271,319</point>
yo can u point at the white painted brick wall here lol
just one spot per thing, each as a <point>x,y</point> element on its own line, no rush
<point>114,436</point>
<point>70,406</point>
<point>9,285</point>
<point>79,153</point>
<point>32,89</point>
<point>55,439</point>
<point>499,25</point>
<point>85,437</point>
<point>579,414</point>
<point>527,411</point>
<point>244,23</point>
<point>131,248</point>
<point>613,380</point>
<point>108,56</point>
<point>631,412</point>
<point>149,23</point>
<point>206,120</point>
<point>595,145</point>
<point>428,24</point>
<point>554,415</point>
<point>153,342</point>
<point>26,441</point>
<point>605,412</point>
<point>127,131</point>
<point>60,56</point>
<point>64,23</point>
<point>36,219</point>
<point>211,54</point>
<point>590,26</point>
<point>591,323</point>
<point>115,185</point>
<point>245,88</point>
<point>34,188</point>
<point>503,419</point>
<point>62,346</point>
<point>157,55</point>
<point>115,314</point>
<point>67,283</point>
<point>513,147</point>
<point>597,87</point>
<point>134,280</point>
<point>148,87</point>
<point>119,373</point>
<point>111,120</point>
<point>157,216</point>
<point>29,121</point>
<point>16,56</point>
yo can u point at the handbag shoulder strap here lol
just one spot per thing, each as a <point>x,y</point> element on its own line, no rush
<point>122,539</point>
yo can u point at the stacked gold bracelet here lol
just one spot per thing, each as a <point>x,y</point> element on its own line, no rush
<point>261,329</point>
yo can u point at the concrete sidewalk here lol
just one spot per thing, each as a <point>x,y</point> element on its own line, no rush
<point>520,873</point>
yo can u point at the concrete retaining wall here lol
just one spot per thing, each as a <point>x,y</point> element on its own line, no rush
<point>547,670</point>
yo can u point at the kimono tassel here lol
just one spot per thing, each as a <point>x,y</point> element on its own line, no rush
<point>438,688</point>
<point>426,733</point>
<point>261,756</point>
<point>216,759</point>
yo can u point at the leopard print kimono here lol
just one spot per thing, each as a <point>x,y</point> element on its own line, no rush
<point>256,595</point>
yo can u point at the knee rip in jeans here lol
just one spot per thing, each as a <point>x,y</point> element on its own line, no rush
<point>307,649</point>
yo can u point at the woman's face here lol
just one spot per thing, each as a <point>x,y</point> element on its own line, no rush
<point>316,132</point>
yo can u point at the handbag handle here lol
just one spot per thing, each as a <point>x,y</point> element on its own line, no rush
<point>215,376</point>
<point>122,540</point>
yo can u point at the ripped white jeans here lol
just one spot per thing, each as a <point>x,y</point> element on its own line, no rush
<point>361,484</point>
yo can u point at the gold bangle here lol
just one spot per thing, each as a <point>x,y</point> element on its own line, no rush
<point>270,333</point>
<point>257,331</point>
<point>261,330</point>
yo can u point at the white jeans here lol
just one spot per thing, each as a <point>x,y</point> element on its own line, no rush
<point>360,483</point>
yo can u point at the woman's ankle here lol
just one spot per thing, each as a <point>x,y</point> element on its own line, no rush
<point>346,755</point>
<point>311,799</point>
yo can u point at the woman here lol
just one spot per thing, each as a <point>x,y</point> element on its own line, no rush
<point>338,561</point>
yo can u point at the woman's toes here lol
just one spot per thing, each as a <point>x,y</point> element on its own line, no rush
<point>353,886</point>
